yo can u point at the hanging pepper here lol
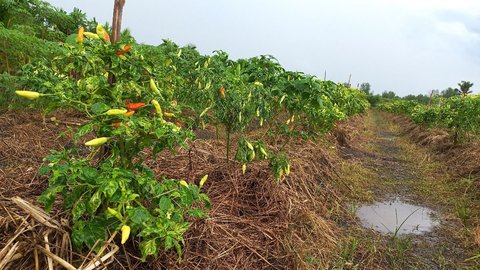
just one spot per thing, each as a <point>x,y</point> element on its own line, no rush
<point>97,141</point>
<point>125,233</point>
<point>91,35</point>
<point>100,31</point>
<point>135,106</point>
<point>222,92</point>
<point>167,114</point>
<point>125,50</point>
<point>106,36</point>
<point>115,111</point>
<point>80,35</point>
<point>128,114</point>
<point>153,86</point>
<point>157,107</point>
<point>203,180</point>
<point>28,94</point>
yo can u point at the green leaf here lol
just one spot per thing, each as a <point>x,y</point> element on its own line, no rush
<point>187,197</point>
<point>78,210</point>
<point>197,213</point>
<point>44,170</point>
<point>89,232</point>
<point>71,39</point>
<point>138,215</point>
<point>165,203</point>
<point>99,108</point>
<point>109,188</point>
<point>94,202</point>
<point>82,131</point>
<point>148,248</point>
<point>48,196</point>
<point>90,174</point>
<point>178,248</point>
<point>206,200</point>
<point>168,242</point>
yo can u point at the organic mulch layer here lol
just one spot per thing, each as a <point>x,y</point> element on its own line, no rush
<point>255,222</point>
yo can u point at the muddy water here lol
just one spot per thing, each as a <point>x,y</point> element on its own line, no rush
<point>396,215</point>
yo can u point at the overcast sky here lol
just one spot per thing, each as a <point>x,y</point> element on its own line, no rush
<point>407,46</point>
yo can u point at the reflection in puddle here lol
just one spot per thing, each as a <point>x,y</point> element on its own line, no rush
<point>387,217</point>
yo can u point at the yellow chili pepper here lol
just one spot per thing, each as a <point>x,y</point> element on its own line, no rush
<point>125,233</point>
<point>28,94</point>
<point>91,35</point>
<point>116,111</point>
<point>157,107</point>
<point>153,86</point>
<point>80,35</point>
<point>183,183</point>
<point>250,146</point>
<point>203,180</point>
<point>97,141</point>
<point>100,31</point>
<point>114,213</point>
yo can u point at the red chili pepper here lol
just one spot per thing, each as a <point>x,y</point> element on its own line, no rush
<point>178,124</point>
<point>117,124</point>
<point>174,102</point>
<point>125,50</point>
<point>135,106</point>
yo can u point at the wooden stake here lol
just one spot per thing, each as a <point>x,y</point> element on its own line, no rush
<point>117,20</point>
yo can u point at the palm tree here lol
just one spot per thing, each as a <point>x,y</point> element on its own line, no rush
<point>464,88</point>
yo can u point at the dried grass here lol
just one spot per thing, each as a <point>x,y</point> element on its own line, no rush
<point>255,222</point>
<point>31,239</point>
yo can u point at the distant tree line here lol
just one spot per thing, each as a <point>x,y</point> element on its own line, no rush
<point>464,88</point>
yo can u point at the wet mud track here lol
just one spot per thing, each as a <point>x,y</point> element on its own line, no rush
<point>396,169</point>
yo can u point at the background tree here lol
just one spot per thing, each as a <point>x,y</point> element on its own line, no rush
<point>449,92</point>
<point>389,94</point>
<point>366,88</point>
<point>424,99</point>
<point>464,88</point>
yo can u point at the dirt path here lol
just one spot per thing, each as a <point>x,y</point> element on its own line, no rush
<point>395,168</point>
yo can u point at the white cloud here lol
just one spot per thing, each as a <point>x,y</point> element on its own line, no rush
<point>468,6</point>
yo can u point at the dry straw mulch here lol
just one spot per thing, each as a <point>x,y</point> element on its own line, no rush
<point>255,222</point>
<point>460,159</point>
<point>34,240</point>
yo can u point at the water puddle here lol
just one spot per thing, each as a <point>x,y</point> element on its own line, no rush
<point>397,216</point>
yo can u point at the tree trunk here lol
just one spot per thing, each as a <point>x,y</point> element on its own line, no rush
<point>117,20</point>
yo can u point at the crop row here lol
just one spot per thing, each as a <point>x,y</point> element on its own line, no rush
<point>136,97</point>
<point>460,115</point>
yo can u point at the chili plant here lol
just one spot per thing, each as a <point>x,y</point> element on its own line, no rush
<point>128,109</point>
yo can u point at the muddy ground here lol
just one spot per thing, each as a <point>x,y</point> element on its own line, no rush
<point>384,156</point>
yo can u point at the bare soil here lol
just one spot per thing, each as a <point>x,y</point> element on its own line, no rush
<point>403,169</point>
